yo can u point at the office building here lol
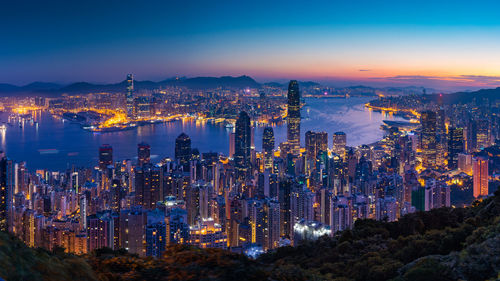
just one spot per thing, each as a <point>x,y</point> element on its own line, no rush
<point>268,147</point>
<point>480,176</point>
<point>293,117</point>
<point>183,150</point>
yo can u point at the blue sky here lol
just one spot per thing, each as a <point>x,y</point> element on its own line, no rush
<point>447,44</point>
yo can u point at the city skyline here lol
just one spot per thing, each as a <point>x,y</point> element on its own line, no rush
<point>250,140</point>
<point>448,46</point>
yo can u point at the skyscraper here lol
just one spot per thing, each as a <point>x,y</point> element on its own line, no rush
<point>183,150</point>
<point>242,142</point>
<point>339,144</point>
<point>480,176</point>
<point>231,144</point>
<point>105,156</point>
<point>455,146</point>
<point>6,190</point>
<point>428,121</point>
<point>315,142</point>
<point>148,186</point>
<point>130,95</point>
<point>293,119</point>
<point>482,133</point>
<point>268,147</point>
<point>143,153</point>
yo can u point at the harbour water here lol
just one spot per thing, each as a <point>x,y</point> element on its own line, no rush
<point>55,144</point>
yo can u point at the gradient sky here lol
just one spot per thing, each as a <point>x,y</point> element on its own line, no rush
<point>441,44</point>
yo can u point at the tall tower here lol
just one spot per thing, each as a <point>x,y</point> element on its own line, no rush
<point>429,124</point>
<point>293,124</point>
<point>480,176</point>
<point>455,146</point>
<point>6,190</point>
<point>242,142</point>
<point>268,147</point>
<point>130,95</point>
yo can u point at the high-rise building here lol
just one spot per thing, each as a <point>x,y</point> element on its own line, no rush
<point>148,186</point>
<point>284,198</point>
<point>105,156</point>
<point>207,234</point>
<point>455,146</point>
<point>6,191</point>
<point>480,176</point>
<point>339,144</point>
<point>132,230</point>
<point>242,142</point>
<point>268,147</point>
<point>130,96</point>
<point>293,119</point>
<point>465,163</point>
<point>482,133</point>
<point>183,150</point>
<point>315,144</point>
<point>471,137</point>
<point>143,153</point>
<point>429,146</point>
<point>232,136</point>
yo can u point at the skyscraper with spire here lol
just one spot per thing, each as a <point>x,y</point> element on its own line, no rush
<point>293,119</point>
<point>130,95</point>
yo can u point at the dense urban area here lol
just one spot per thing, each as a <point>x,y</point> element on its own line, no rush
<point>257,201</point>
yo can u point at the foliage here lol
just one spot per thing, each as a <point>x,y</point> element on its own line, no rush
<point>442,244</point>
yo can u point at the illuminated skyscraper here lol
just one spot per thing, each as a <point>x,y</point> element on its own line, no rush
<point>242,142</point>
<point>482,134</point>
<point>428,121</point>
<point>268,147</point>
<point>284,199</point>
<point>6,190</point>
<point>147,186</point>
<point>480,176</point>
<point>183,150</point>
<point>315,142</point>
<point>105,156</point>
<point>130,96</point>
<point>293,123</point>
<point>339,144</point>
<point>231,144</point>
<point>207,234</point>
<point>143,153</point>
<point>455,146</point>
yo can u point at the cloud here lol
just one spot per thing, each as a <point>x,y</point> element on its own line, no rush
<point>475,80</point>
<point>365,70</point>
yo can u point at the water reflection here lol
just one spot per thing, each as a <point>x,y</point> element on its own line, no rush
<point>79,147</point>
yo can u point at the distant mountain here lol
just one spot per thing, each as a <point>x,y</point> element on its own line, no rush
<point>42,86</point>
<point>85,87</point>
<point>465,97</point>
<point>8,87</point>
<point>215,82</point>
<point>302,84</point>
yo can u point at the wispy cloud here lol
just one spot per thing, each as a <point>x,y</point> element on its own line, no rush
<point>363,70</point>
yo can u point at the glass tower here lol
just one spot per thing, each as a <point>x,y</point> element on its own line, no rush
<point>293,124</point>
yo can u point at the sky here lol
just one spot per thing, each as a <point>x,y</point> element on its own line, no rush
<point>449,45</point>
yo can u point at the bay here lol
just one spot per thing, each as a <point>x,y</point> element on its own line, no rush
<point>55,144</point>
